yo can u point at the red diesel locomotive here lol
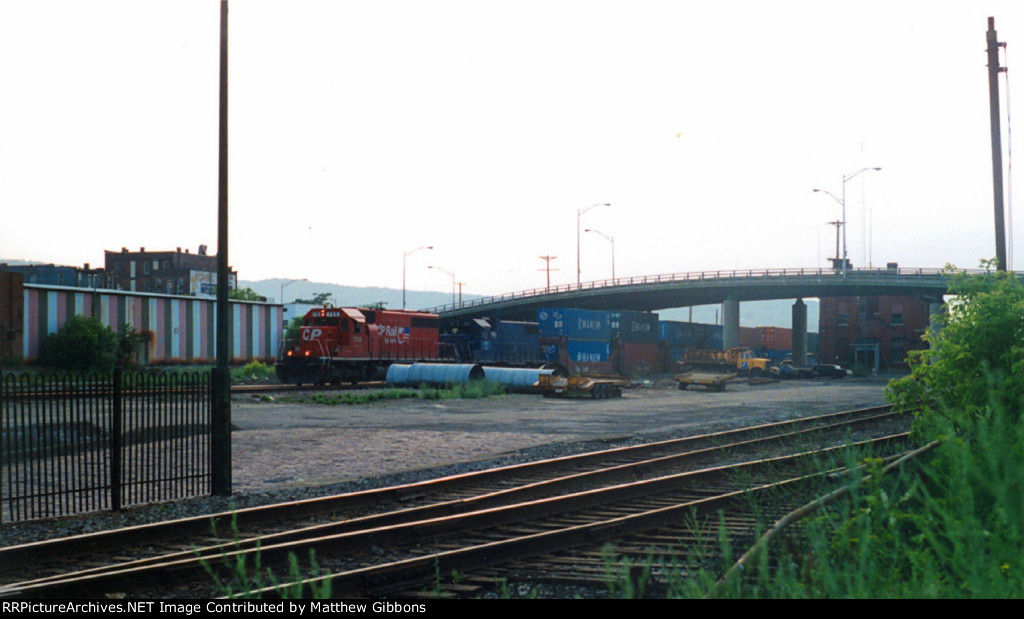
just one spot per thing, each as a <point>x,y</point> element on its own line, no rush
<point>350,344</point>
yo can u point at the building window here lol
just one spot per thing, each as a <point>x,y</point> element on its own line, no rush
<point>896,320</point>
<point>843,320</point>
<point>897,352</point>
<point>145,267</point>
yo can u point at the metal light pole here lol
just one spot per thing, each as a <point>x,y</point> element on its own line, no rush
<point>404,256</point>
<point>579,213</point>
<point>289,283</point>
<point>842,202</point>
<point>284,327</point>
<point>610,239</point>
<point>450,274</point>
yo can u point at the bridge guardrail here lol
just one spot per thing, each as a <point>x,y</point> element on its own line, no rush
<point>697,275</point>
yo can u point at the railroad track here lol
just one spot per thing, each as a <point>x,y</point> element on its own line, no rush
<point>281,388</point>
<point>398,540</point>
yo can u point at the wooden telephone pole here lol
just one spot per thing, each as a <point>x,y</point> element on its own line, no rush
<point>548,268</point>
<point>997,149</point>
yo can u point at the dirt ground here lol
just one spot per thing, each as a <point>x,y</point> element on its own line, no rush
<point>278,444</point>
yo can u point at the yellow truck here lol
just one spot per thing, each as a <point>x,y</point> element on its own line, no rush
<point>714,368</point>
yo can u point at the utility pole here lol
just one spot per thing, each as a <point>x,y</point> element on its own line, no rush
<point>997,148</point>
<point>547,268</point>
<point>838,224</point>
<point>220,439</point>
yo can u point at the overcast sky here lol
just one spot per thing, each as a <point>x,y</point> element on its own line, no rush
<point>361,131</point>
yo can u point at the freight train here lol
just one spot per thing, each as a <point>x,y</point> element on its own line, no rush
<point>348,344</point>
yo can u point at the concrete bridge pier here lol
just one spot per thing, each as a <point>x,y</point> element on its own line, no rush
<point>799,333</point>
<point>730,323</point>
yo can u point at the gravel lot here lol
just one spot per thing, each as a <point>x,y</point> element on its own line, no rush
<point>284,451</point>
<point>280,444</point>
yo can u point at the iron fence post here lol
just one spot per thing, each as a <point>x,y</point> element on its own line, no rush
<point>115,441</point>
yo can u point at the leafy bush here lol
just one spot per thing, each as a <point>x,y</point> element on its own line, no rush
<point>255,370</point>
<point>976,362</point>
<point>955,527</point>
<point>83,343</point>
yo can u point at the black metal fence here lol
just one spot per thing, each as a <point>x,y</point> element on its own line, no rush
<point>71,444</point>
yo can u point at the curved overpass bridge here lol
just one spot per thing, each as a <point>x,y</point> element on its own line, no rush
<point>654,292</point>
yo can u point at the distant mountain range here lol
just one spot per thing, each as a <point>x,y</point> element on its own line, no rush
<point>752,314</point>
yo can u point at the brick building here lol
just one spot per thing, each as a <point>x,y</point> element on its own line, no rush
<point>168,272</point>
<point>57,275</point>
<point>875,333</point>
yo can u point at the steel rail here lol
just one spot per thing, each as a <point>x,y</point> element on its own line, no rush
<point>415,533</point>
<point>526,492</point>
<point>418,571</point>
<point>18,558</point>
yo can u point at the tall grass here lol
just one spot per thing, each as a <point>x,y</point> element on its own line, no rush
<point>234,577</point>
<point>950,527</point>
<point>470,391</point>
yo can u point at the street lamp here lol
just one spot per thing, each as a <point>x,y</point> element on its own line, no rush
<point>404,256</point>
<point>284,326</point>
<point>610,239</point>
<point>579,213</point>
<point>289,283</point>
<point>450,274</point>
<point>842,202</point>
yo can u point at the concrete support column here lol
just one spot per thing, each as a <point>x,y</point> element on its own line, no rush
<point>730,323</point>
<point>799,333</point>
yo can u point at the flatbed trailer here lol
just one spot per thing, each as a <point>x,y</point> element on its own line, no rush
<point>712,381</point>
<point>599,387</point>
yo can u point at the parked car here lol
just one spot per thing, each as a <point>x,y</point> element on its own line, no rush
<point>830,370</point>
<point>786,370</point>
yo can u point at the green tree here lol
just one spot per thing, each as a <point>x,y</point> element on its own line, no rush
<point>319,299</point>
<point>976,362</point>
<point>83,343</point>
<point>245,294</point>
<point>291,332</point>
